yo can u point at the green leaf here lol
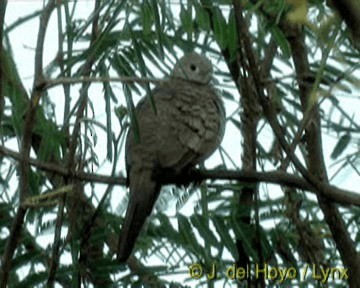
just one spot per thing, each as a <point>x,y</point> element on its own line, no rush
<point>233,36</point>
<point>147,18</point>
<point>34,280</point>
<point>281,40</point>
<point>165,229</point>
<point>187,234</point>
<point>226,238</point>
<point>220,28</point>
<point>50,146</point>
<point>202,225</point>
<point>31,257</point>
<point>236,123</point>
<point>227,95</point>
<point>108,94</point>
<point>131,109</point>
<point>245,234</point>
<point>340,146</point>
<point>143,69</point>
<point>14,88</point>
<point>120,112</point>
<point>186,19</point>
<point>158,26</point>
<point>202,18</point>
<point>123,68</point>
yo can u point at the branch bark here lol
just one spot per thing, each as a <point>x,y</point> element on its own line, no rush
<point>2,78</point>
<point>349,10</point>
<point>316,175</point>
<point>340,196</point>
<point>341,236</point>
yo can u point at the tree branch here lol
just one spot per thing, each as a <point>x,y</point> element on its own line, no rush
<point>50,83</point>
<point>349,10</point>
<point>316,164</point>
<point>2,78</point>
<point>341,196</point>
<point>76,223</point>
<point>16,226</point>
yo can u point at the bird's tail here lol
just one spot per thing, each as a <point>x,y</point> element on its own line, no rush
<point>143,194</point>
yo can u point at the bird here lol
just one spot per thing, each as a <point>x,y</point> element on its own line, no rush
<point>180,127</point>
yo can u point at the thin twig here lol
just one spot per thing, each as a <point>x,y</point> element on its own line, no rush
<point>85,72</point>
<point>71,162</point>
<point>60,213</point>
<point>50,83</point>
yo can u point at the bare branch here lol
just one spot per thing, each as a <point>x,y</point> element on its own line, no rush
<point>342,196</point>
<point>50,83</point>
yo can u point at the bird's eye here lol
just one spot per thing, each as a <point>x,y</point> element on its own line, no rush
<point>192,67</point>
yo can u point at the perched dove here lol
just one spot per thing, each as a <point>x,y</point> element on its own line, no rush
<point>186,127</point>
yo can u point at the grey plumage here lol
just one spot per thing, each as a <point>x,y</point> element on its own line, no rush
<point>187,128</point>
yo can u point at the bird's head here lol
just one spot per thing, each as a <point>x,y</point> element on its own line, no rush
<point>193,67</point>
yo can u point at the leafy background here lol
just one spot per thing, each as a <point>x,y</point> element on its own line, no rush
<point>288,72</point>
